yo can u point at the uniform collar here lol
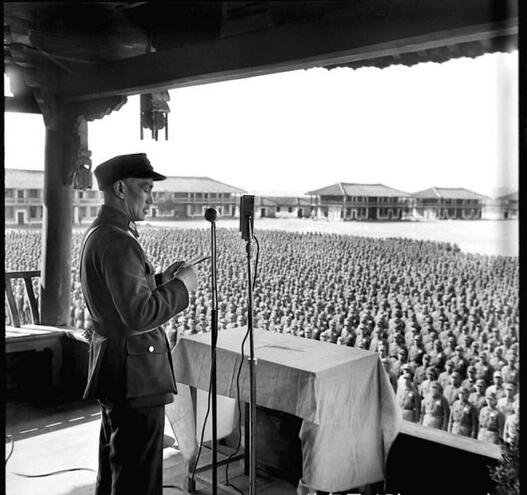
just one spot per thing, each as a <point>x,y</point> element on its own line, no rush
<point>112,215</point>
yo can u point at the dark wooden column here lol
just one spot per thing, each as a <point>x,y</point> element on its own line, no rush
<point>65,155</point>
<point>56,229</point>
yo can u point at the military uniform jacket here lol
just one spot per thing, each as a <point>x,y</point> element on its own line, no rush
<point>491,420</point>
<point>463,419</point>
<point>129,359</point>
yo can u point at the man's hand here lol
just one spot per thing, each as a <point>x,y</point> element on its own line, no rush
<point>169,273</point>
<point>189,276</point>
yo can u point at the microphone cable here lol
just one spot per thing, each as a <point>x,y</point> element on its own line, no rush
<point>203,427</point>
<point>238,400</point>
<point>256,261</point>
<point>239,408</point>
<point>43,475</point>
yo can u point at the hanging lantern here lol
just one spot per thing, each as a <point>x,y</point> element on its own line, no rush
<point>154,112</point>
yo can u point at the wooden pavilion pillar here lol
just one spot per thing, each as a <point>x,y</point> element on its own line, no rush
<point>56,230</point>
<point>66,154</point>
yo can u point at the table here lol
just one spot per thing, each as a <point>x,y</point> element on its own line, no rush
<point>37,338</point>
<point>343,395</point>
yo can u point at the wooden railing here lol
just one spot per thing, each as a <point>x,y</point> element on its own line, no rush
<point>11,302</point>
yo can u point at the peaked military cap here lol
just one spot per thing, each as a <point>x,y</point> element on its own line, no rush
<point>136,165</point>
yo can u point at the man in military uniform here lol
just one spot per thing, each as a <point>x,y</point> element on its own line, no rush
<point>512,424</point>
<point>506,403</point>
<point>445,378</point>
<point>420,371</point>
<point>130,366</point>
<point>391,376</point>
<point>510,372</point>
<point>416,350</point>
<point>497,386</point>
<point>463,416</point>
<point>491,421</point>
<point>477,398</point>
<point>426,387</point>
<point>408,396</point>
<point>451,391</point>
<point>460,362</point>
<point>470,381</point>
<point>435,409</point>
<point>483,368</point>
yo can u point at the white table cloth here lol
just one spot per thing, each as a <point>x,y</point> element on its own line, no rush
<point>349,411</point>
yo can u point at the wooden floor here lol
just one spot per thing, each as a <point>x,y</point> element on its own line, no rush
<point>48,438</point>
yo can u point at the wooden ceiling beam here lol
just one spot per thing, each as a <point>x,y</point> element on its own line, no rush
<point>336,39</point>
<point>21,104</point>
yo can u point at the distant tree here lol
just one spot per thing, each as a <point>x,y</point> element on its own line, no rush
<point>506,474</point>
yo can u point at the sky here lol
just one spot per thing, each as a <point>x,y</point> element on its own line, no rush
<point>448,125</point>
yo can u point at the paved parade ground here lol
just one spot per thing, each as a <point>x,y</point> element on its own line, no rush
<point>493,237</point>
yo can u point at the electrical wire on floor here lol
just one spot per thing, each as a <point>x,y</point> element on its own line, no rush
<point>42,475</point>
<point>60,471</point>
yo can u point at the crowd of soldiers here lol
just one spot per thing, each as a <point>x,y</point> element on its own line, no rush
<point>445,323</point>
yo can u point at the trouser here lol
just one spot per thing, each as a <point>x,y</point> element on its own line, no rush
<point>409,415</point>
<point>463,430</point>
<point>130,450</point>
<point>488,436</point>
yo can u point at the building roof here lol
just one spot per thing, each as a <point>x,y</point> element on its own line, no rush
<point>196,184</point>
<point>448,193</point>
<point>348,189</point>
<point>15,178</point>
<point>34,179</point>
<point>509,197</point>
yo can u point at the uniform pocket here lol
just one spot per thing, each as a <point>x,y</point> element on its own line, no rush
<point>148,370</point>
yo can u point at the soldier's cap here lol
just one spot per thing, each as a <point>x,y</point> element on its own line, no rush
<point>406,367</point>
<point>471,368</point>
<point>120,167</point>
<point>481,381</point>
<point>497,373</point>
<point>458,348</point>
<point>489,394</point>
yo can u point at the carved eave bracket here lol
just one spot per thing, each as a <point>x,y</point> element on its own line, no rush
<point>77,156</point>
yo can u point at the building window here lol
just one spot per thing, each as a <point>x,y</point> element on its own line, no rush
<point>10,193</point>
<point>277,209</point>
<point>20,194</point>
<point>33,212</point>
<point>290,209</point>
<point>91,194</point>
<point>81,194</point>
<point>93,211</point>
<point>34,193</point>
<point>9,212</point>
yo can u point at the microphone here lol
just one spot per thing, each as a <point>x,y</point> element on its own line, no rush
<point>210,215</point>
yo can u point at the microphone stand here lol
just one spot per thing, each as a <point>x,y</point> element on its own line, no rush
<point>214,339</point>
<point>252,371</point>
